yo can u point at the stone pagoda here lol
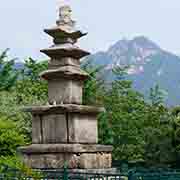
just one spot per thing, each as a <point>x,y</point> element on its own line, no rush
<point>65,131</point>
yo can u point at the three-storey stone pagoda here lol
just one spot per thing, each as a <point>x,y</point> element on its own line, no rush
<point>65,131</point>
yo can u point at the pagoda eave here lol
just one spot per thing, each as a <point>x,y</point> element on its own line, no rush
<point>65,52</point>
<point>60,33</point>
<point>64,108</point>
<point>65,148</point>
<point>68,72</point>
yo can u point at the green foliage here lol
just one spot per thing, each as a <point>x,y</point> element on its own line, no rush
<point>8,75</point>
<point>176,131</point>
<point>31,89</point>
<point>157,95</point>
<point>28,90</point>
<point>137,130</point>
<point>158,132</point>
<point>93,86</point>
<point>12,167</point>
<point>10,137</point>
<point>10,108</point>
<point>33,68</point>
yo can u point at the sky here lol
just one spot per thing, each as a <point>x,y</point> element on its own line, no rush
<point>106,21</point>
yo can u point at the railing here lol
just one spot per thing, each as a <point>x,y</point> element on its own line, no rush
<point>161,175</point>
<point>67,174</point>
<point>63,174</point>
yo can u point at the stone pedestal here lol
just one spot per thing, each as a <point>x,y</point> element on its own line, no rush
<point>65,131</point>
<point>75,155</point>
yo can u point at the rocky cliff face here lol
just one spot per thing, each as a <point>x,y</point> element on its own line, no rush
<point>134,53</point>
<point>148,65</point>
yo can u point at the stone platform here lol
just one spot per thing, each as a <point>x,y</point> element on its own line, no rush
<point>76,156</point>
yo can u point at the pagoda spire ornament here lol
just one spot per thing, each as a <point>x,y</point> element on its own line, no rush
<point>65,21</point>
<point>64,130</point>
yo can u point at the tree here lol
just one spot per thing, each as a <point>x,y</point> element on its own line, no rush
<point>10,137</point>
<point>176,133</point>
<point>93,86</point>
<point>8,75</point>
<point>137,130</point>
<point>157,95</point>
<point>30,88</point>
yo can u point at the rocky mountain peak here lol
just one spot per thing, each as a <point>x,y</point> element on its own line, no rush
<point>149,65</point>
<point>144,42</point>
<point>133,52</point>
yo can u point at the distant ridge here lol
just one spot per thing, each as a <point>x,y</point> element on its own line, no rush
<point>149,65</point>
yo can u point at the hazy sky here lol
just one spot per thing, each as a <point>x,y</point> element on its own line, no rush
<point>23,21</point>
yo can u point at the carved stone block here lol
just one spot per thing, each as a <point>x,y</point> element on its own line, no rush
<point>36,129</point>
<point>95,160</point>
<point>65,91</point>
<point>57,160</point>
<point>54,129</point>
<point>56,63</point>
<point>82,128</point>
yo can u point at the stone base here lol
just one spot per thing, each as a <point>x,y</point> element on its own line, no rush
<point>75,156</point>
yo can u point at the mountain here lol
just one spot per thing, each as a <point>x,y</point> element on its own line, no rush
<point>149,65</point>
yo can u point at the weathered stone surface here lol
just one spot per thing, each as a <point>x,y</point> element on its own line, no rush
<point>64,108</point>
<point>65,51</point>
<point>54,129</point>
<point>65,148</point>
<point>56,63</point>
<point>57,161</point>
<point>49,129</point>
<point>76,155</point>
<point>34,161</point>
<point>98,160</point>
<point>58,33</point>
<point>44,161</point>
<point>66,72</point>
<point>82,128</point>
<point>36,129</point>
<point>64,91</point>
<point>65,128</point>
<point>65,131</point>
<point>65,21</point>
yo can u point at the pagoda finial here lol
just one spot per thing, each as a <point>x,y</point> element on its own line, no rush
<point>65,21</point>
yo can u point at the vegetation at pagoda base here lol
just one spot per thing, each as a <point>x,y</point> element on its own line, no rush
<point>139,130</point>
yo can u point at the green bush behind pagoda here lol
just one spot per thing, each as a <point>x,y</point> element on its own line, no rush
<point>139,130</point>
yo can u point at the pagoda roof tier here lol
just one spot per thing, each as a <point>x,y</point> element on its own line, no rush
<point>66,148</point>
<point>69,72</point>
<point>58,32</point>
<point>65,50</point>
<point>64,108</point>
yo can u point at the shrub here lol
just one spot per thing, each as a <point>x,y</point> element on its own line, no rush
<point>10,137</point>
